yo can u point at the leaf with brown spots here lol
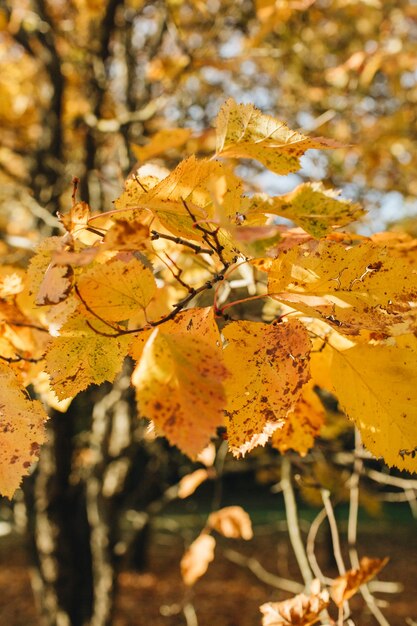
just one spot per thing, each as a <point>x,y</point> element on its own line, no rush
<point>353,288</point>
<point>345,586</point>
<point>21,431</point>
<point>179,380</point>
<point>245,132</point>
<point>302,425</point>
<point>269,365</point>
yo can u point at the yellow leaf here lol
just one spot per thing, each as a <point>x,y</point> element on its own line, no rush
<point>179,380</point>
<point>269,365</point>
<point>117,291</point>
<point>161,142</point>
<point>21,432</point>
<point>80,356</point>
<point>199,183</point>
<point>345,586</point>
<point>197,558</point>
<point>232,522</point>
<point>245,132</point>
<point>316,209</point>
<point>351,288</point>
<point>377,388</point>
<point>302,425</point>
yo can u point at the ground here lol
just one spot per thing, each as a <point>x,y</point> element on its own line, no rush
<point>228,595</point>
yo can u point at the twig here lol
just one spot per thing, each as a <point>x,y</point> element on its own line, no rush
<point>190,614</point>
<point>260,572</point>
<point>353,527</point>
<point>310,546</point>
<point>197,249</point>
<point>293,526</point>
<point>325,494</point>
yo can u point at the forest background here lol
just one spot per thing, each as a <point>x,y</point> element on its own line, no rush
<point>84,85</point>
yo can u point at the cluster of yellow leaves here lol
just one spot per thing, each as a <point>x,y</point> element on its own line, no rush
<point>136,281</point>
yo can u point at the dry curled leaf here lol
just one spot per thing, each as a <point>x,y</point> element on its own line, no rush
<point>196,559</point>
<point>301,610</point>
<point>344,587</point>
<point>189,483</point>
<point>232,522</point>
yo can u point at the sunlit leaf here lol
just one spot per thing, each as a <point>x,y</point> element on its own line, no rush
<point>179,380</point>
<point>316,209</point>
<point>377,388</point>
<point>266,388</point>
<point>244,131</point>
<point>117,290</point>
<point>21,431</point>
<point>81,356</point>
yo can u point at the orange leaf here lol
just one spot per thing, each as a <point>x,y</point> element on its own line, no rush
<point>344,587</point>
<point>179,379</point>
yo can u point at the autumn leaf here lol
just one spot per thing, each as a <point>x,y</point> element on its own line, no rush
<point>189,483</point>
<point>117,291</point>
<point>76,221</point>
<point>302,425</point>
<point>377,388</point>
<point>21,431</point>
<point>56,284</point>
<point>195,182</point>
<point>179,379</point>
<point>316,209</point>
<point>345,586</point>
<point>197,558</point>
<point>245,132</point>
<point>81,356</point>
<point>232,522</point>
<point>301,610</point>
<point>162,141</point>
<point>353,288</point>
<point>266,388</point>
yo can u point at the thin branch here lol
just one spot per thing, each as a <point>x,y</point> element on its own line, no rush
<point>352,530</point>
<point>325,494</point>
<point>197,249</point>
<point>293,526</point>
<point>262,574</point>
<point>310,547</point>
